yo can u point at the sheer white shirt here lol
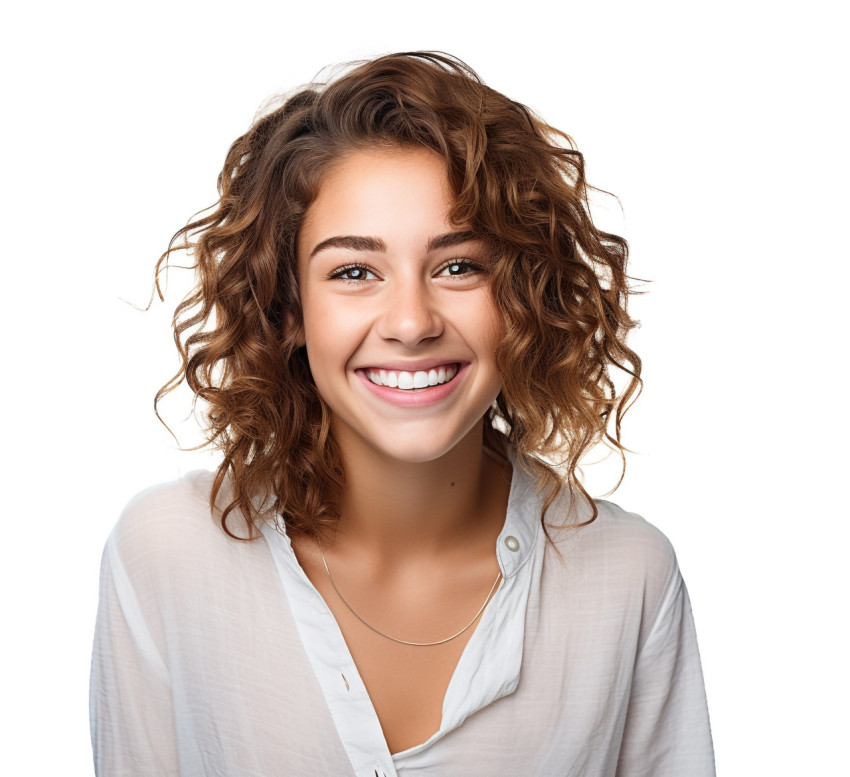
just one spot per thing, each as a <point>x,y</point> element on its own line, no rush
<point>219,657</point>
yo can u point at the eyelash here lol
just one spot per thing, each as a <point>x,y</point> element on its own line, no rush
<point>338,274</point>
<point>474,268</point>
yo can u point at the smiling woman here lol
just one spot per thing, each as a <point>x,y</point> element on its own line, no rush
<point>409,296</point>
<point>404,315</point>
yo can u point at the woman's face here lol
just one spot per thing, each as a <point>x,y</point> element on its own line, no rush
<point>399,323</point>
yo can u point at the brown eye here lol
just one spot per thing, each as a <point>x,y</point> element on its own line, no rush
<point>353,273</point>
<point>458,268</point>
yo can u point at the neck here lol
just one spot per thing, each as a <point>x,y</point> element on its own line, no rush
<point>398,510</point>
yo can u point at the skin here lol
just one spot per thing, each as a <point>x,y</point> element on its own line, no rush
<point>414,550</point>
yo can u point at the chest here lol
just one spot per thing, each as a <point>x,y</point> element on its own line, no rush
<point>406,684</point>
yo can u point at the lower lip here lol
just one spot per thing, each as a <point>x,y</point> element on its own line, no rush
<point>415,397</point>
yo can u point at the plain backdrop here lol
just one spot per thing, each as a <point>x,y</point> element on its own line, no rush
<point>721,128</point>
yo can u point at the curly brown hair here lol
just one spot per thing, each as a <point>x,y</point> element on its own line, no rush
<point>559,283</point>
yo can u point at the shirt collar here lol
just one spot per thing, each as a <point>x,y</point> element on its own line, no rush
<point>519,535</point>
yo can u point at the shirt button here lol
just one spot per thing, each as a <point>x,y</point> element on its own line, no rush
<point>512,543</point>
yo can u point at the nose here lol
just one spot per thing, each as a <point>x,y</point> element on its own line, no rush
<point>409,314</point>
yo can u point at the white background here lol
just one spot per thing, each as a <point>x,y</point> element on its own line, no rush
<point>722,129</point>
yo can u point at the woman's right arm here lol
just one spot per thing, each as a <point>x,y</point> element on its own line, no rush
<point>131,709</point>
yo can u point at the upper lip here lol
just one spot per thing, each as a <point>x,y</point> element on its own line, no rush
<point>420,365</point>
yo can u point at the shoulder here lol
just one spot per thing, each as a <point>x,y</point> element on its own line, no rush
<point>166,511</point>
<point>171,529</point>
<point>613,531</point>
<point>619,552</point>
<point>631,536</point>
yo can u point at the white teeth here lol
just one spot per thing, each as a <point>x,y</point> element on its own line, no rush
<point>412,380</point>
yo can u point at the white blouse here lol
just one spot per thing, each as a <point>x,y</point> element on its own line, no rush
<point>219,657</point>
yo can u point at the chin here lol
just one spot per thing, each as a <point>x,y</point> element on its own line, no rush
<point>419,448</point>
<point>419,453</point>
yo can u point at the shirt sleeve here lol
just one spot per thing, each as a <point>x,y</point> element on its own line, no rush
<point>130,704</point>
<point>667,731</point>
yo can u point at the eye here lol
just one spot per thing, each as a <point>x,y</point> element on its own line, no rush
<point>353,273</point>
<point>458,268</point>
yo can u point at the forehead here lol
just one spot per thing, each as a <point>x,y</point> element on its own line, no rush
<point>394,194</point>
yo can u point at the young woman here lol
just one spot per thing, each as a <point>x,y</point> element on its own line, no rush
<point>402,332</point>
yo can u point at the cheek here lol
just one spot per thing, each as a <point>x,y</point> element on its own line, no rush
<point>482,326</point>
<point>333,333</point>
<point>335,320</point>
<point>489,325</point>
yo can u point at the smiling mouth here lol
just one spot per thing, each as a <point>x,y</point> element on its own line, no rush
<point>413,381</point>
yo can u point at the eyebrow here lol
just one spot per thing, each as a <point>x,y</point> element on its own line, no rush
<point>352,243</point>
<point>375,244</point>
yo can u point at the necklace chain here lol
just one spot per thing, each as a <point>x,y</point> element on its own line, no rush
<point>404,641</point>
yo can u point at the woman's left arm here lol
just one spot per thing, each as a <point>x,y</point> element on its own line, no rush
<point>667,731</point>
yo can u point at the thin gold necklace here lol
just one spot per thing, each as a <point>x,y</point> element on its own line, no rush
<point>404,641</point>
